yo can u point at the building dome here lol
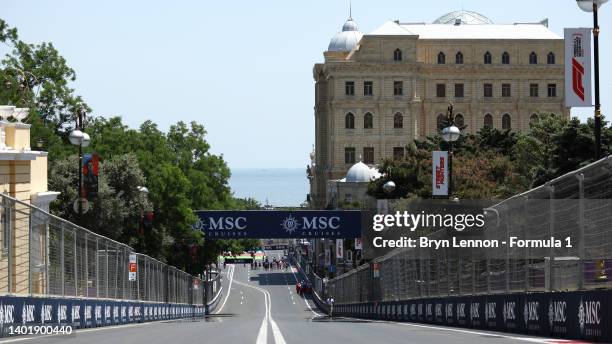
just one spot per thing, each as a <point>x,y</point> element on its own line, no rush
<point>463,17</point>
<point>347,39</point>
<point>361,173</point>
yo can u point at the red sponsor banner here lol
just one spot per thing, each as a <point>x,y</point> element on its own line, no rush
<point>440,173</point>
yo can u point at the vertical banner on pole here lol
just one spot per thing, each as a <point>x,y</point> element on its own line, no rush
<point>578,67</point>
<point>133,268</point>
<point>339,248</point>
<point>440,173</point>
<point>358,244</point>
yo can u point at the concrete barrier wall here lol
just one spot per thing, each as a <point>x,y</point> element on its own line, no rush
<point>575,315</point>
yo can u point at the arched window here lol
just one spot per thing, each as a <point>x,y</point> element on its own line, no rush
<point>534,119</point>
<point>506,122</point>
<point>459,58</point>
<point>398,121</point>
<point>440,122</point>
<point>397,55</point>
<point>349,121</point>
<point>533,58</point>
<point>550,59</point>
<point>459,120</point>
<point>368,121</point>
<point>441,58</point>
<point>505,58</point>
<point>488,121</point>
<point>487,58</point>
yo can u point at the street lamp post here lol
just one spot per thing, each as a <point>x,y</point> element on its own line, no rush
<point>450,134</point>
<point>593,6</point>
<point>81,139</point>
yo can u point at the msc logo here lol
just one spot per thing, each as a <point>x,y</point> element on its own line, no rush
<point>588,313</point>
<point>474,310</point>
<point>531,311</point>
<point>449,310</point>
<point>490,311</point>
<point>461,310</point>
<point>290,224</point>
<point>7,314</point>
<point>220,223</point>
<point>27,313</point>
<point>509,311</point>
<point>556,312</point>
<point>46,313</point>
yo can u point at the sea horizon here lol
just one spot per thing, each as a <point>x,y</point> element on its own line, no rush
<point>279,186</point>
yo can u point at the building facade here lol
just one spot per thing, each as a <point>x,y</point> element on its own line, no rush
<point>23,176</point>
<point>377,92</point>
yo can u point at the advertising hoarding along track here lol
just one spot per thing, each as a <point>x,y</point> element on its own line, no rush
<point>279,224</point>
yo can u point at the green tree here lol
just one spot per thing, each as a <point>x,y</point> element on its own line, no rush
<point>38,77</point>
<point>119,206</point>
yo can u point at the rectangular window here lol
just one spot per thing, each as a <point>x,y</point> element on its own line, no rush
<point>368,87</point>
<point>349,155</point>
<point>368,155</point>
<point>506,90</point>
<point>440,90</point>
<point>552,90</point>
<point>534,90</point>
<point>349,88</point>
<point>398,88</point>
<point>458,90</point>
<point>398,153</point>
<point>488,90</point>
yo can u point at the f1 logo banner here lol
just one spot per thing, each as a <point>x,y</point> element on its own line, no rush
<point>440,173</point>
<point>265,224</point>
<point>578,67</point>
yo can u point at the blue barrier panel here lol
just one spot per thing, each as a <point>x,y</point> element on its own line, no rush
<point>576,315</point>
<point>84,313</point>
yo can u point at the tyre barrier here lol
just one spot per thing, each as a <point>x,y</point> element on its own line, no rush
<point>87,313</point>
<point>572,315</point>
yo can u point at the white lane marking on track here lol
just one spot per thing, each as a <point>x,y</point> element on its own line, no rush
<point>278,336</point>
<point>229,287</point>
<point>276,332</point>
<point>305,300</point>
<point>262,336</point>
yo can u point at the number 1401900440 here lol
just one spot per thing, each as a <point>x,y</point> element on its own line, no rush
<point>39,330</point>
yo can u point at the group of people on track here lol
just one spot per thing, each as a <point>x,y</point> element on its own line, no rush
<point>266,264</point>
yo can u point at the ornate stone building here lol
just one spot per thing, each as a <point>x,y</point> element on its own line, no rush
<point>377,92</point>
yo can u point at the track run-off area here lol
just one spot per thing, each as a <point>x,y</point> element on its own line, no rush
<point>261,307</point>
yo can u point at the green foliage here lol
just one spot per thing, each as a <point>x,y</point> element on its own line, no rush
<point>117,210</point>
<point>493,164</point>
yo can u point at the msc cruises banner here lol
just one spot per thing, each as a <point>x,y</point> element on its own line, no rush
<point>265,224</point>
<point>578,67</point>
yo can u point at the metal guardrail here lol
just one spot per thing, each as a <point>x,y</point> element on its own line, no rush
<point>42,254</point>
<point>577,204</point>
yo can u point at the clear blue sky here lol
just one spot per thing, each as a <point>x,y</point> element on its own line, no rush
<point>242,68</point>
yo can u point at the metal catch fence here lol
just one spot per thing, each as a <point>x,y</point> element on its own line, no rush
<point>577,205</point>
<point>42,254</point>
